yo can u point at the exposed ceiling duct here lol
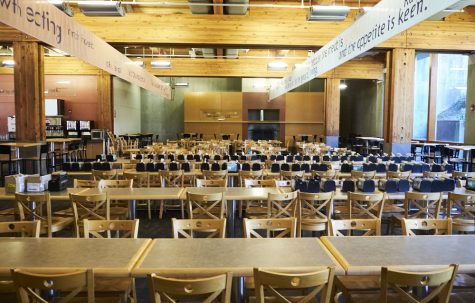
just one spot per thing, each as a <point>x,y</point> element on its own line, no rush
<point>452,9</point>
<point>327,13</point>
<point>236,10</point>
<point>62,6</point>
<point>231,53</point>
<point>102,8</point>
<point>201,9</point>
<point>208,53</point>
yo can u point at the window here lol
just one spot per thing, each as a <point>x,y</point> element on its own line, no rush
<point>421,96</point>
<point>440,89</point>
<point>452,72</point>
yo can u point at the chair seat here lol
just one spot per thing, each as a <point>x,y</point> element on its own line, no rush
<point>58,223</point>
<point>113,284</point>
<point>352,283</point>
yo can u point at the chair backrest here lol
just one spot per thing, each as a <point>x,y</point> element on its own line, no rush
<point>188,228</point>
<point>115,184</point>
<point>171,178</point>
<point>356,174</point>
<point>250,183</point>
<point>30,285</point>
<point>366,206</point>
<point>283,183</point>
<point>96,207</point>
<point>208,206</point>
<point>438,226</point>
<point>21,228</point>
<point>367,227</point>
<point>273,228</point>
<point>282,205</point>
<point>398,174</point>
<point>432,174</point>
<point>215,174</point>
<point>85,183</point>
<point>211,182</point>
<point>128,166</point>
<point>314,209</point>
<point>290,175</point>
<point>268,284</point>
<point>32,207</point>
<point>138,179</point>
<point>103,228</point>
<point>249,175</point>
<point>104,174</point>
<point>438,282</point>
<point>204,290</point>
<point>422,205</point>
<point>461,207</point>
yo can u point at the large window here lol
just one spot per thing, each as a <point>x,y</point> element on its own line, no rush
<point>440,90</point>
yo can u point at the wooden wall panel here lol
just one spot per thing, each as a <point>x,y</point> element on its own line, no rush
<point>305,107</point>
<point>196,102</point>
<point>294,129</point>
<point>105,102</point>
<point>232,102</point>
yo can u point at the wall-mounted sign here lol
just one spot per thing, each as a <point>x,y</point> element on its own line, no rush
<point>45,22</point>
<point>383,21</point>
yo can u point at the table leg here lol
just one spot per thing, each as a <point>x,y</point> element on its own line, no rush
<point>238,290</point>
<point>132,209</point>
<point>231,204</point>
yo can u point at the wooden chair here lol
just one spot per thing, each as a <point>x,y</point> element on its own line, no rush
<point>33,207</point>
<point>269,286</point>
<point>284,184</point>
<point>118,209</point>
<point>255,208</point>
<point>461,208</point>
<point>102,228</point>
<point>211,182</point>
<point>85,183</point>
<point>204,290</point>
<point>215,174</point>
<point>314,212</point>
<point>140,180</point>
<point>438,226</point>
<point>275,228</point>
<point>249,175</point>
<point>291,175</point>
<point>398,174</point>
<point>327,174</point>
<point>129,166</point>
<point>205,206</point>
<point>171,179</point>
<point>434,286</point>
<point>21,228</point>
<point>123,288</point>
<point>282,205</point>
<point>364,206</point>
<point>73,283</point>
<point>187,228</point>
<point>368,227</point>
<point>461,177</point>
<point>432,174</point>
<point>96,207</point>
<point>104,174</point>
<point>355,174</point>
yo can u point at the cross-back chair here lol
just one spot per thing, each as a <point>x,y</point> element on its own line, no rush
<point>273,228</point>
<point>21,228</point>
<point>104,174</point>
<point>461,208</point>
<point>367,227</point>
<point>95,207</point>
<point>282,205</point>
<point>140,180</point>
<point>103,228</point>
<point>78,183</point>
<point>437,226</point>
<point>211,182</point>
<point>355,174</point>
<point>207,206</point>
<point>314,211</point>
<point>171,178</point>
<point>189,228</point>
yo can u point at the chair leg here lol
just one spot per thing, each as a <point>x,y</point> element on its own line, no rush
<point>160,216</point>
<point>149,209</point>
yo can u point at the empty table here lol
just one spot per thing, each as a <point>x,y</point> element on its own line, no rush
<point>366,255</point>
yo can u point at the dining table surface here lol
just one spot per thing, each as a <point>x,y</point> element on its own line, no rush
<point>367,255</point>
<point>107,257</point>
<point>194,257</point>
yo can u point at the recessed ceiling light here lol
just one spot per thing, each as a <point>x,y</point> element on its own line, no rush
<point>8,63</point>
<point>277,66</point>
<point>63,82</point>
<point>181,84</point>
<point>161,64</point>
<point>343,86</point>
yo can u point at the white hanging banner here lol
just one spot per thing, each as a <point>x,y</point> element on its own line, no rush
<point>383,21</point>
<point>47,23</point>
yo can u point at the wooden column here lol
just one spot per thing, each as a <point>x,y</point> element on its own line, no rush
<point>332,111</point>
<point>400,100</point>
<point>105,117</point>
<point>29,92</point>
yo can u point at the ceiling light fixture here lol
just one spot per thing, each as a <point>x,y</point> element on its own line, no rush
<point>161,64</point>
<point>181,84</point>
<point>343,86</point>
<point>8,63</point>
<point>327,13</point>
<point>102,8</point>
<point>63,82</point>
<point>62,6</point>
<point>277,66</point>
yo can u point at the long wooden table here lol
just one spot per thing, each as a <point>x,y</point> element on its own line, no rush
<point>108,257</point>
<point>214,256</point>
<point>366,255</point>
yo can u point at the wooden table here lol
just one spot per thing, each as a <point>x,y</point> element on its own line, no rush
<point>108,257</point>
<point>195,257</point>
<point>366,255</point>
<point>55,196</point>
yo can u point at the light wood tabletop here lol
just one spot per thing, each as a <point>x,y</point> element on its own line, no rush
<point>366,255</point>
<point>194,257</point>
<point>55,196</point>
<point>22,144</point>
<point>146,193</point>
<point>108,257</point>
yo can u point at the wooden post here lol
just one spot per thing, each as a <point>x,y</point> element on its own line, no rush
<point>29,92</point>
<point>332,111</point>
<point>400,103</point>
<point>105,104</point>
